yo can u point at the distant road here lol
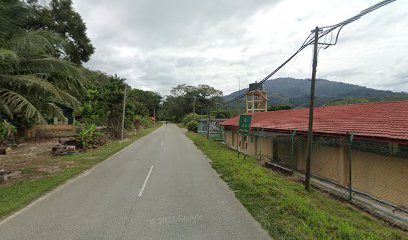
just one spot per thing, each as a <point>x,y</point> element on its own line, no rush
<point>161,187</point>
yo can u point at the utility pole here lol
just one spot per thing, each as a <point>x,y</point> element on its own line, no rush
<point>350,143</point>
<point>239,89</point>
<point>194,109</point>
<point>311,109</point>
<point>123,115</point>
<point>154,114</point>
<point>238,130</point>
<point>239,115</point>
<point>208,125</point>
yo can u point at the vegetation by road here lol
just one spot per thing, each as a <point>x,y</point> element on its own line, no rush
<point>282,206</point>
<point>184,100</point>
<point>19,194</point>
<point>42,49</point>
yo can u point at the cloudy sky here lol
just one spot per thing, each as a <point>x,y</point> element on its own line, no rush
<point>159,44</point>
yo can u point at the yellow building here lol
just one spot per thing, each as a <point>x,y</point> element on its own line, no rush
<point>377,161</point>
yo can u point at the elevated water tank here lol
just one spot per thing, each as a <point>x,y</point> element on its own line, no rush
<point>255,86</point>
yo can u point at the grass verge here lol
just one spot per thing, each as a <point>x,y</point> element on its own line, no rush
<point>283,207</point>
<point>20,194</point>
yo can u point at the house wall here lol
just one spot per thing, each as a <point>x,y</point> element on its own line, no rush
<point>229,138</point>
<point>380,176</point>
<point>327,162</point>
<point>250,146</point>
<point>265,147</point>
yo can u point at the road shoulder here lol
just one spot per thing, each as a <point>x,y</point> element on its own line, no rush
<point>23,194</point>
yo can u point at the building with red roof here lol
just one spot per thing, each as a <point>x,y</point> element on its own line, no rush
<point>381,121</point>
<point>379,148</point>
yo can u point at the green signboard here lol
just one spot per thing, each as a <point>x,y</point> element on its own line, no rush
<point>245,124</point>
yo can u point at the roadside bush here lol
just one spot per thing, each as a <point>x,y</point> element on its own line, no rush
<point>192,126</point>
<point>88,135</point>
<point>190,117</point>
<point>142,122</point>
<point>6,130</point>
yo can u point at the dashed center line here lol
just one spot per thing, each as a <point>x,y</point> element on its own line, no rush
<point>145,182</point>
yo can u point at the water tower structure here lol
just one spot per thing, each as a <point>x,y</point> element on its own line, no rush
<point>256,98</point>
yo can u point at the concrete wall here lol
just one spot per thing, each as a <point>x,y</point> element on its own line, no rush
<point>51,131</point>
<point>250,145</point>
<point>229,138</point>
<point>380,176</point>
<point>328,162</point>
<point>265,147</point>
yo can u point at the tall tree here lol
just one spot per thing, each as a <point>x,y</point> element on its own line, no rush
<point>180,103</point>
<point>151,100</point>
<point>60,17</point>
<point>103,103</point>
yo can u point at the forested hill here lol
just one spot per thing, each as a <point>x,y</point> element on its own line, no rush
<point>295,93</point>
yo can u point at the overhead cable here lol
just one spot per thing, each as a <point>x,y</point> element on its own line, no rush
<point>323,32</point>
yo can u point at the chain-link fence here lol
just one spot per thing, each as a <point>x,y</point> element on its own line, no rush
<point>216,131</point>
<point>369,172</point>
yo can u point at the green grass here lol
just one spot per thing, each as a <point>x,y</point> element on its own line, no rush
<point>18,195</point>
<point>283,207</point>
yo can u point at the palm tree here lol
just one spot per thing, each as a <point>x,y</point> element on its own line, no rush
<point>34,80</point>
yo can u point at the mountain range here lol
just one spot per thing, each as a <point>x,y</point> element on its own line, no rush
<point>295,93</point>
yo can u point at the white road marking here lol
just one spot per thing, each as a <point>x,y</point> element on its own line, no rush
<point>68,182</point>
<point>162,143</point>
<point>147,179</point>
<point>176,219</point>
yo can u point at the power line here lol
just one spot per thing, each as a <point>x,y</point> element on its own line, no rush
<point>273,72</point>
<point>323,32</point>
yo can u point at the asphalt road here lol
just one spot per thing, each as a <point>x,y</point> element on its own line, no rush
<point>161,187</point>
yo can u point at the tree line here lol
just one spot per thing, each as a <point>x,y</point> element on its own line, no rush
<point>42,52</point>
<point>202,100</point>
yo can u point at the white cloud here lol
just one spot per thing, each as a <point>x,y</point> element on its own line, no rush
<point>159,44</point>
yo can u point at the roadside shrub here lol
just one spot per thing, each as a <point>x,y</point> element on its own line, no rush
<point>88,135</point>
<point>6,130</point>
<point>142,122</point>
<point>192,126</point>
<point>190,117</point>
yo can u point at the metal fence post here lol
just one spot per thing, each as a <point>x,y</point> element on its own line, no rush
<point>292,146</point>
<point>350,141</point>
<point>242,144</point>
<point>260,145</point>
<point>238,140</point>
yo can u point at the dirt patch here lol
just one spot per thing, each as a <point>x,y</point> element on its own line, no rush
<point>33,159</point>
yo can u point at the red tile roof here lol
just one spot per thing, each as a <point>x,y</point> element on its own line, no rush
<point>374,120</point>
